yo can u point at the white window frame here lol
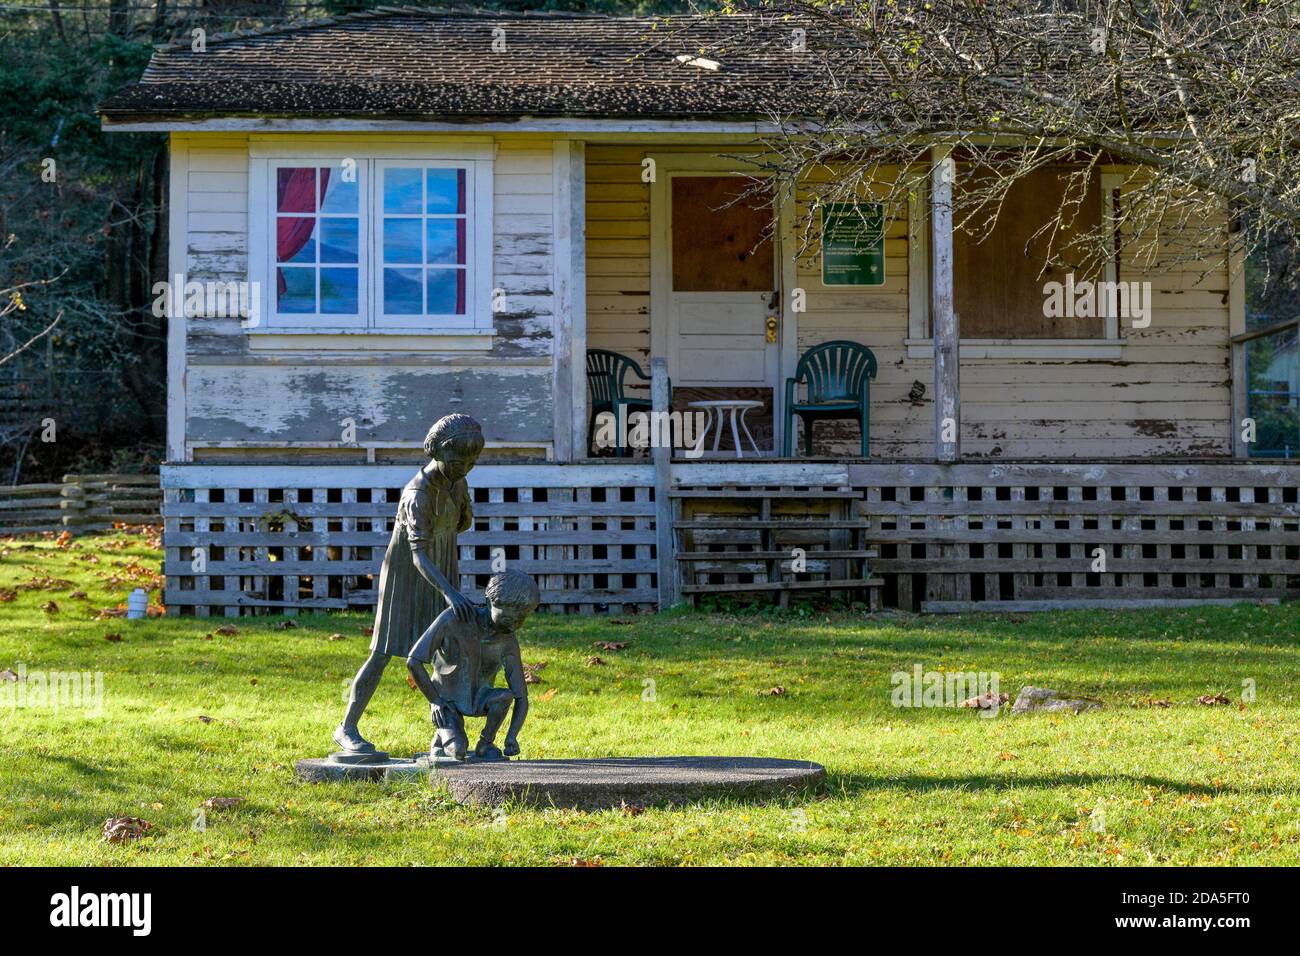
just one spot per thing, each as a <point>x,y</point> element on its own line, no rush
<point>919,342</point>
<point>474,328</point>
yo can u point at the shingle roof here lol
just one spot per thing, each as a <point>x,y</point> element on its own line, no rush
<point>401,62</point>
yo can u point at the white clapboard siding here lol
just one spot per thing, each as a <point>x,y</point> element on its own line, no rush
<point>236,395</point>
<point>618,252</point>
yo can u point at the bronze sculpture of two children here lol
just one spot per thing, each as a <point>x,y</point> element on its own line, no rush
<point>423,617</point>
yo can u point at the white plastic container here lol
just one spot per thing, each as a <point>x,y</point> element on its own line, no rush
<point>137,604</point>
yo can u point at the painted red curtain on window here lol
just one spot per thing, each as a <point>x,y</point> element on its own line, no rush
<point>295,195</point>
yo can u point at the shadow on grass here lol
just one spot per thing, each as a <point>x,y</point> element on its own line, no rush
<point>853,783</point>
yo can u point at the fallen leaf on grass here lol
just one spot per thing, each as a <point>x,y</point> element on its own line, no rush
<point>205,719</point>
<point>548,695</point>
<point>410,682</point>
<point>620,623</point>
<point>1151,702</point>
<point>9,675</point>
<point>105,613</point>
<point>594,661</point>
<point>79,595</point>
<point>287,624</point>
<point>989,701</point>
<point>1210,700</point>
<point>632,809</point>
<point>610,645</point>
<point>7,595</point>
<point>368,629</point>
<point>49,607</point>
<point>47,583</point>
<point>336,637</point>
<point>222,803</point>
<point>113,638</point>
<point>226,630</point>
<point>122,829</point>
<point>1006,756</point>
<point>777,691</point>
<point>531,672</point>
<point>63,540</point>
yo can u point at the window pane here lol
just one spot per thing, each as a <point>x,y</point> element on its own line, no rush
<point>402,292</point>
<point>338,240</point>
<point>402,190</point>
<point>446,190</point>
<point>446,241</point>
<point>295,290</point>
<point>338,291</point>
<point>296,189</point>
<point>1004,257</point>
<point>446,292</point>
<point>338,196</point>
<point>402,240</point>
<point>295,239</point>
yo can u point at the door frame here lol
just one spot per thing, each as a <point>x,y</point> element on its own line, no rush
<point>662,317</point>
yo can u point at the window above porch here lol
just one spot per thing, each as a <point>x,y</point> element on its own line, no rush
<point>1022,289</point>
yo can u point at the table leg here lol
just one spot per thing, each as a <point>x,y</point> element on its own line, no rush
<point>717,435</point>
<point>707,415</point>
<point>752,444</point>
<point>735,435</point>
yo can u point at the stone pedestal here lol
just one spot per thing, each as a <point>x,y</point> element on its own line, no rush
<point>605,783</point>
<point>590,784</point>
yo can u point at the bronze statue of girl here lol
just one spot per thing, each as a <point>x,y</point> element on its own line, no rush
<point>419,577</point>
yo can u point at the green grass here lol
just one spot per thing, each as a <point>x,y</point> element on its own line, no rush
<point>1187,784</point>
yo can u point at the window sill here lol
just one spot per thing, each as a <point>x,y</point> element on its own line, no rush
<point>1023,348</point>
<point>370,340</point>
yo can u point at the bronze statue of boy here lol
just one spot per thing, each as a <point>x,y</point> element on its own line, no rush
<point>466,658</point>
<point>420,575</point>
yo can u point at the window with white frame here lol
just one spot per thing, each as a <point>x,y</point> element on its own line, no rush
<point>379,243</point>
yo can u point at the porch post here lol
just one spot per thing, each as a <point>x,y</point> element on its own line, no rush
<point>569,168</point>
<point>1237,350</point>
<point>947,390</point>
<point>660,402</point>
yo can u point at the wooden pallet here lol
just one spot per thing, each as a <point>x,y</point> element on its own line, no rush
<point>742,541</point>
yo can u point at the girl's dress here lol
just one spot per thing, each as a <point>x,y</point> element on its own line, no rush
<point>430,514</point>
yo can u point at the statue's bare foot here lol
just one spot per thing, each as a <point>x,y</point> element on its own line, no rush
<point>350,739</point>
<point>486,750</point>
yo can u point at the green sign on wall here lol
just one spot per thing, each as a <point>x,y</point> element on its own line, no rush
<point>853,243</point>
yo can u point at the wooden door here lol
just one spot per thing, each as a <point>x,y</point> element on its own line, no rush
<point>722,296</point>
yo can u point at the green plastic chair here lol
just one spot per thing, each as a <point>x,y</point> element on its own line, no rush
<point>838,375</point>
<point>606,371</point>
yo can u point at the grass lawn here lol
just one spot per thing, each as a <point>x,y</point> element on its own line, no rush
<point>1183,784</point>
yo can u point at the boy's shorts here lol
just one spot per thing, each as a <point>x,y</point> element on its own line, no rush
<point>480,702</point>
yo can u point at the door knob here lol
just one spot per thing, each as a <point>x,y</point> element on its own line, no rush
<point>771,328</point>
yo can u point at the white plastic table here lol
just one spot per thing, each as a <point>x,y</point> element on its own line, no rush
<point>716,409</point>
